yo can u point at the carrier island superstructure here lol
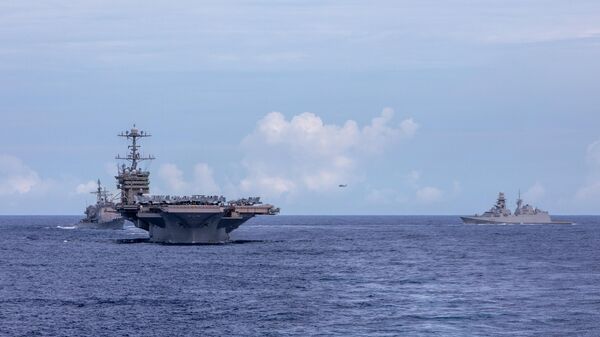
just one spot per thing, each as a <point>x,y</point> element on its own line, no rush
<point>178,219</point>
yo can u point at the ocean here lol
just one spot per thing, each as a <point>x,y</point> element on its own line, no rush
<point>303,276</point>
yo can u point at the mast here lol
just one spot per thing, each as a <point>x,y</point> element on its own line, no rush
<point>519,203</point>
<point>134,154</point>
<point>131,180</point>
<point>98,193</point>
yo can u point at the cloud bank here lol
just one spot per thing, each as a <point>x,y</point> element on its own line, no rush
<point>174,182</point>
<point>535,193</point>
<point>16,177</point>
<point>86,187</point>
<point>304,153</point>
<point>429,194</point>
<point>590,191</point>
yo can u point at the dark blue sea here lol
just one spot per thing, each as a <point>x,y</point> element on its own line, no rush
<point>303,276</point>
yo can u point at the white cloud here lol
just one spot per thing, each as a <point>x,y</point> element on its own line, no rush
<point>87,187</point>
<point>413,178</point>
<point>21,186</point>
<point>111,168</point>
<point>412,181</point>
<point>376,136</point>
<point>429,194</point>
<point>268,184</point>
<point>456,187</point>
<point>593,154</point>
<point>534,193</point>
<point>590,191</point>
<point>250,35</point>
<point>173,178</point>
<point>202,181</point>
<point>16,177</point>
<point>385,196</point>
<point>303,153</point>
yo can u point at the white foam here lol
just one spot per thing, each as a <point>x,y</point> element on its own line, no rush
<point>66,227</point>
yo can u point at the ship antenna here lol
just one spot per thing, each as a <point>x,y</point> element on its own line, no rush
<point>519,201</point>
<point>98,192</point>
<point>134,154</point>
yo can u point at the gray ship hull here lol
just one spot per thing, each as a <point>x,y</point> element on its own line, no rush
<point>112,224</point>
<point>512,220</point>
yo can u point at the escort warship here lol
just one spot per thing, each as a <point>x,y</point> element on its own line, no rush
<point>103,214</point>
<point>178,219</point>
<point>524,214</point>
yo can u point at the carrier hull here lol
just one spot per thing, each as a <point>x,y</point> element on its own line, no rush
<point>193,224</point>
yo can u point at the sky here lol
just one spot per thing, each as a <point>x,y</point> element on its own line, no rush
<point>420,107</point>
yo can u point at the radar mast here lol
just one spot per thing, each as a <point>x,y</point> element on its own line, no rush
<point>100,195</point>
<point>134,154</point>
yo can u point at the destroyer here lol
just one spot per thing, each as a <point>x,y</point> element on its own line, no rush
<point>178,219</point>
<point>524,214</point>
<point>103,214</point>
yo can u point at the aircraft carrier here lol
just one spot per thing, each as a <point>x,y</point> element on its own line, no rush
<point>103,214</point>
<point>194,219</point>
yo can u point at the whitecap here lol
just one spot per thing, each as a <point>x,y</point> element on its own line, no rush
<point>66,227</point>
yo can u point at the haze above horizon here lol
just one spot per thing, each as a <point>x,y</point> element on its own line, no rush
<point>418,107</point>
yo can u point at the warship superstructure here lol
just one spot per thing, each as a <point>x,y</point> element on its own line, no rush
<point>103,214</point>
<point>500,214</point>
<point>178,219</point>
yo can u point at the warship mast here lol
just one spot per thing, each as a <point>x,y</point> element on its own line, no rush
<point>98,192</point>
<point>101,194</point>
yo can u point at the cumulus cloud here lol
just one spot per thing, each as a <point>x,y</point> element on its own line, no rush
<point>285,156</point>
<point>593,154</point>
<point>202,181</point>
<point>535,193</point>
<point>429,194</point>
<point>271,184</point>
<point>87,187</point>
<point>379,133</point>
<point>16,177</point>
<point>385,196</point>
<point>590,191</point>
<point>111,168</point>
<point>413,178</point>
<point>456,187</point>
<point>172,177</point>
